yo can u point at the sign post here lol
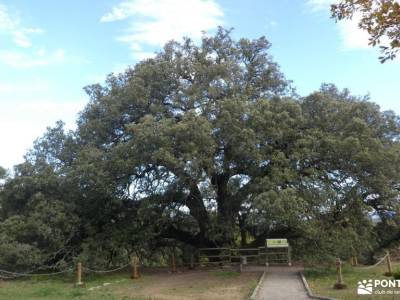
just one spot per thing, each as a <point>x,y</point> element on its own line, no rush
<point>278,251</point>
<point>277,243</point>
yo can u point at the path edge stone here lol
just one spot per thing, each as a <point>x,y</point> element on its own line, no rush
<point>309,292</point>
<point>257,288</point>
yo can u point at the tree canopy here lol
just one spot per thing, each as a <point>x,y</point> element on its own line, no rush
<point>203,146</point>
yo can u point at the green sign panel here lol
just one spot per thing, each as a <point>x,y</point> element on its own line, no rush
<point>277,243</point>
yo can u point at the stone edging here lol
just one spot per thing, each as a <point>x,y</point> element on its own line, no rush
<point>309,292</point>
<point>254,293</point>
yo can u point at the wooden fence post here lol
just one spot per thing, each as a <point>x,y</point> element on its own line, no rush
<point>389,264</point>
<point>135,272</point>
<point>339,271</point>
<point>354,261</point>
<point>173,263</point>
<point>79,282</point>
<point>339,284</point>
<point>191,265</point>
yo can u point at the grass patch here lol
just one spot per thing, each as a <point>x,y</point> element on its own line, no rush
<point>219,285</point>
<point>321,281</point>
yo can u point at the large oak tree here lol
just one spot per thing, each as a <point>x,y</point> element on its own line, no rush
<point>207,145</point>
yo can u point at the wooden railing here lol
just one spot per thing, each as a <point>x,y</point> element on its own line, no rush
<point>224,256</point>
<point>254,256</point>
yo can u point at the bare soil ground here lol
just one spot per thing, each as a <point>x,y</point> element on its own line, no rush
<point>193,285</point>
<point>218,285</point>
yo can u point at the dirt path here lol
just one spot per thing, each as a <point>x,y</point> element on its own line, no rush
<point>282,283</point>
<point>191,285</point>
<point>201,285</point>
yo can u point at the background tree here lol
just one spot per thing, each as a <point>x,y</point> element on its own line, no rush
<point>37,222</point>
<point>381,19</point>
<point>3,173</point>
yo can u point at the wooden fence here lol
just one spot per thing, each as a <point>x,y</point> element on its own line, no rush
<point>251,256</point>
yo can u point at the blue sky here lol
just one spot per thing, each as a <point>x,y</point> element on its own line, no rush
<point>49,50</point>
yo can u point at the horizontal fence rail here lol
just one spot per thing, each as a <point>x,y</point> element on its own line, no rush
<point>255,256</point>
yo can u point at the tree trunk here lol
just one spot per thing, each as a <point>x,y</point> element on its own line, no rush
<point>226,218</point>
<point>243,232</point>
<point>197,210</point>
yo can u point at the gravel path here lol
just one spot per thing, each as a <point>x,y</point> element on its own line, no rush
<point>282,283</point>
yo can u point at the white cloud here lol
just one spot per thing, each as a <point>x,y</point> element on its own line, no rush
<point>142,55</point>
<point>29,57</point>
<point>6,23</point>
<point>352,37</point>
<point>273,23</point>
<point>120,12</point>
<point>119,67</point>
<point>21,122</point>
<point>22,60</point>
<point>21,39</point>
<point>11,25</point>
<point>320,5</point>
<point>27,107</point>
<point>9,88</point>
<point>59,55</point>
<point>270,24</point>
<point>154,22</point>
